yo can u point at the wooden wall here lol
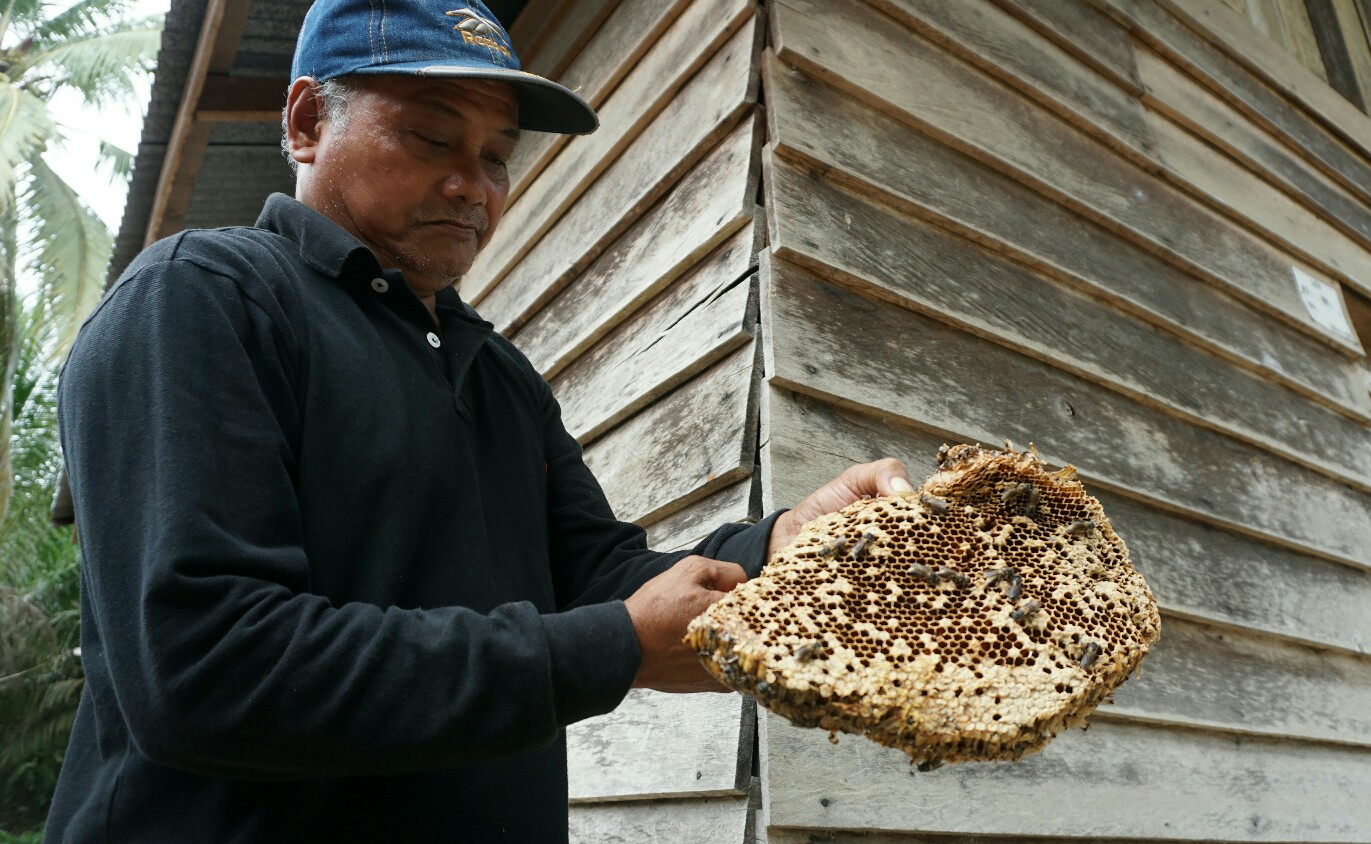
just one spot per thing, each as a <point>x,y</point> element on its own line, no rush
<point>1081,224</point>
<point>625,268</point>
<point>810,233</point>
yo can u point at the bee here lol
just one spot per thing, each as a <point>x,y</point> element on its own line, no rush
<point>1028,610</point>
<point>833,547</point>
<point>1013,492</point>
<point>934,503</point>
<point>858,548</point>
<point>1015,586</point>
<point>1025,493</point>
<point>995,576</point>
<point>892,719</point>
<point>1079,527</point>
<point>1006,575</point>
<point>956,577</point>
<point>1090,654</point>
<point>942,454</point>
<point>809,650</point>
<point>764,688</point>
<point>922,572</point>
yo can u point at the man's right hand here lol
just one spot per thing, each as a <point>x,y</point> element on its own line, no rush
<point>661,609</point>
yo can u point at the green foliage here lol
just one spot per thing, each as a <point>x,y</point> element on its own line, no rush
<point>92,48</point>
<point>40,675</point>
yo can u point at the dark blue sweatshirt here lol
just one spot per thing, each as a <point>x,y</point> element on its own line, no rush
<point>346,576</point>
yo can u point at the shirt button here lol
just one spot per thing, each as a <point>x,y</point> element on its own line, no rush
<point>433,340</point>
<point>380,285</point>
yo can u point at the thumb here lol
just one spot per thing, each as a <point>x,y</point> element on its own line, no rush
<point>881,477</point>
<point>721,576</point>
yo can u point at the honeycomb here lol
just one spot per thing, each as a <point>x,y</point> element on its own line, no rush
<point>972,619</point>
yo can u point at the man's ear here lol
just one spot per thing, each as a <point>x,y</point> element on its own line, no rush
<point>302,119</point>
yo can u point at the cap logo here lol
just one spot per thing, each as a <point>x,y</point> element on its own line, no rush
<point>477,30</point>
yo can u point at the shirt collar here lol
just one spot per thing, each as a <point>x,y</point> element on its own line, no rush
<point>334,251</point>
<point>324,245</point>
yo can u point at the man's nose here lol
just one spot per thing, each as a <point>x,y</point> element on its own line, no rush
<point>466,180</point>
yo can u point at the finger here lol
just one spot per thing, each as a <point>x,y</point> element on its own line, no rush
<point>720,576</point>
<point>880,477</point>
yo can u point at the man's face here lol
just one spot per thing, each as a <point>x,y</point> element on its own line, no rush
<point>417,173</point>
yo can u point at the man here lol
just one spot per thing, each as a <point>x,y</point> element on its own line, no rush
<point>346,574</point>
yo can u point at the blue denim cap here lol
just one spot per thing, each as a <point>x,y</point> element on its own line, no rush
<point>431,38</point>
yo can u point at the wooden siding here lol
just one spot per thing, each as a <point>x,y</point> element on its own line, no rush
<point>1078,224</point>
<point>625,268</point>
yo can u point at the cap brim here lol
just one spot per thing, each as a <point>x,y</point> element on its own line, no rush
<point>544,105</point>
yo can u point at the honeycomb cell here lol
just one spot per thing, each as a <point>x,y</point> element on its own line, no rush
<point>997,577</point>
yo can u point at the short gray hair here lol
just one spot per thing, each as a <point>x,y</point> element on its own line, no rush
<point>335,96</point>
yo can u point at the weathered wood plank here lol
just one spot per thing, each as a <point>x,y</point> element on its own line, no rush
<point>1265,17</point>
<point>1336,56</point>
<point>1236,84</point>
<point>534,23</point>
<point>1299,37</point>
<point>823,836</point>
<point>833,344</point>
<point>703,212</point>
<point>1184,100</point>
<point>1213,178</point>
<point>687,526</point>
<point>1356,34</point>
<point>808,442</point>
<point>1118,780</point>
<point>995,42</point>
<point>707,110</point>
<point>816,124</point>
<point>719,820</point>
<point>1199,676</point>
<point>1209,573</point>
<point>648,357</point>
<point>901,72</point>
<point>652,85</point>
<point>878,252</point>
<point>663,745</point>
<point>1278,67</point>
<point>662,459</point>
<point>1196,570</point>
<point>1087,33</point>
<point>616,48</point>
<point>1005,47</point>
<point>570,34</point>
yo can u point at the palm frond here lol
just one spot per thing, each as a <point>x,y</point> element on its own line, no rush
<point>23,16</point>
<point>79,19</point>
<point>117,159</point>
<point>26,125</point>
<point>71,247</point>
<point>102,66</point>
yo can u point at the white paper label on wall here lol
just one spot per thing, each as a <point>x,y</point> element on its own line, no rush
<point>1324,304</point>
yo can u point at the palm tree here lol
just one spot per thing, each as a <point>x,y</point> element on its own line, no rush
<point>91,48</point>
<point>40,671</point>
<point>61,247</point>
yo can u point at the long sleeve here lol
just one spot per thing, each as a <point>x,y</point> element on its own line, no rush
<point>179,422</point>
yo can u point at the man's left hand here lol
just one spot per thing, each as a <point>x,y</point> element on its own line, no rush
<point>883,477</point>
